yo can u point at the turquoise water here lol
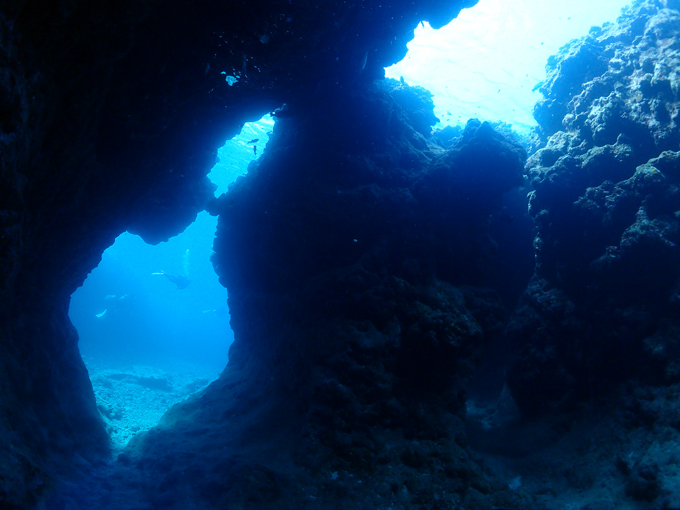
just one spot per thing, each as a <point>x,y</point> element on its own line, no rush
<point>126,313</point>
<point>486,62</point>
<point>237,153</point>
<point>138,321</point>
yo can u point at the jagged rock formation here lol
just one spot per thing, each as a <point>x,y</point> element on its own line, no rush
<point>111,118</point>
<point>588,417</point>
<point>603,306</point>
<point>347,379</point>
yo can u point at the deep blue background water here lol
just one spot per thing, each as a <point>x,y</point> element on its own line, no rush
<point>126,315</point>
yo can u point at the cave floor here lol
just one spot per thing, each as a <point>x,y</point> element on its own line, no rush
<point>132,397</point>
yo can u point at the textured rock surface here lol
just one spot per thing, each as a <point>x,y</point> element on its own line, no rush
<point>603,305</point>
<point>588,417</point>
<point>111,116</point>
<point>347,378</point>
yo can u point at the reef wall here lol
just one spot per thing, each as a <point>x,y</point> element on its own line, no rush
<point>348,374</point>
<point>603,306</point>
<point>353,349</point>
<point>110,118</point>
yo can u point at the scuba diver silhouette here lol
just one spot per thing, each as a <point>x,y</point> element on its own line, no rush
<point>180,280</point>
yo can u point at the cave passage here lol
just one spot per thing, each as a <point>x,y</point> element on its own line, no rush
<point>153,321</point>
<point>146,342</point>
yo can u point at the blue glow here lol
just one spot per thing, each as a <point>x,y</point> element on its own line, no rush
<point>136,324</point>
<point>126,314</point>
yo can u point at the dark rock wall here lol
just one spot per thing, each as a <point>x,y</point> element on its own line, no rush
<point>353,350</point>
<point>603,305</point>
<point>110,117</point>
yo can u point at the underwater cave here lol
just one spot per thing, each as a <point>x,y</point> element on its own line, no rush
<point>461,293</point>
<point>153,321</point>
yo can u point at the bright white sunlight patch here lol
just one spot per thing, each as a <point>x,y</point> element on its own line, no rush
<point>487,62</point>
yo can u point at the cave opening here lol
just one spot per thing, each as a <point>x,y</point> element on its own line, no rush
<point>153,321</point>
<point>495,74</point>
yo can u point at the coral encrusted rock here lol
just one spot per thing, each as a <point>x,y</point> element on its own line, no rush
<point>606,204</point>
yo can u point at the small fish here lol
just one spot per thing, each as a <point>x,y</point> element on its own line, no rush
<point>100,315</point>
<point>255,149</point>
<point>254,140</point>
<point>364,61</point>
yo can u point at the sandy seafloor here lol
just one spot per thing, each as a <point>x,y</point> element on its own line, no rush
<point>132,398</point>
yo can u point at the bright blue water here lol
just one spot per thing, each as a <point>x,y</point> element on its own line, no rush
<point>486,62</point>
<point>127,315</point>
<point>237,153</point>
